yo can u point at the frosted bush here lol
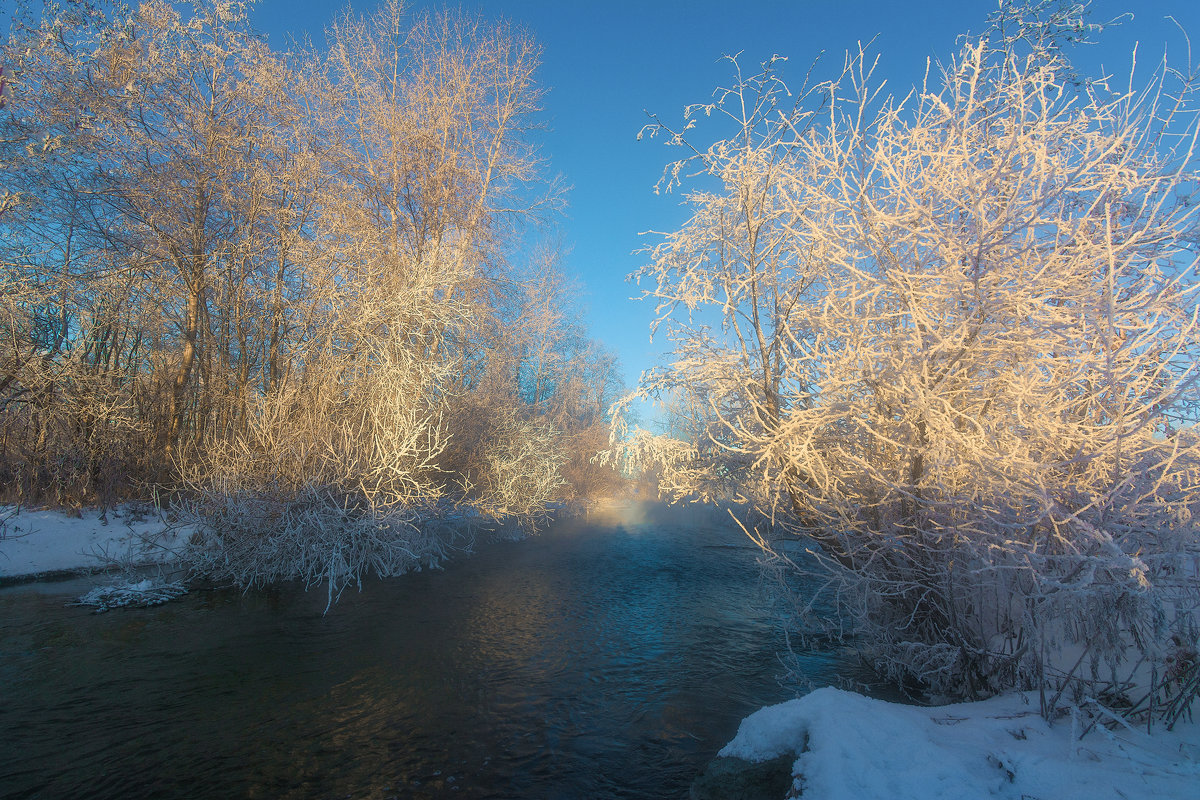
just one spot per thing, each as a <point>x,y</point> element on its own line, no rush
<point>950,341</point>
<point>317,538</point>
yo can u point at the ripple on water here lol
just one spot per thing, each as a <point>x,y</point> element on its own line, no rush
<point>600,659</point>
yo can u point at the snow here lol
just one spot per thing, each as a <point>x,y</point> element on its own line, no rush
<point>851,747</point>
<point>33,542</point>
<point>123,593</point>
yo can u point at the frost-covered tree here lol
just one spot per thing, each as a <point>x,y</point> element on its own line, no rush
<point>416,133</point>
<point>281,284</point>
<point>142,143</point>
<point>951,341</point>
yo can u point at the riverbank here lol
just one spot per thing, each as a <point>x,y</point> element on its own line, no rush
<point>50,543</point>
<point>850,747</point>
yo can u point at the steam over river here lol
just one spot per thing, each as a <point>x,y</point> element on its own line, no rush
<point>607,657</point>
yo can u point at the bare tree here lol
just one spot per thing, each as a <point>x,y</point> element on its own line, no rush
<point>283,283</point>
<point>415,128</point>
<point>154,130</point>
<point>953,344</point>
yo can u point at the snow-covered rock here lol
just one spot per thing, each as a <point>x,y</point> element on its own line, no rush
<point>850,747</point>
<point>147,592</point>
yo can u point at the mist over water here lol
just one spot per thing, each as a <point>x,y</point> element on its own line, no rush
<point>608,657</point>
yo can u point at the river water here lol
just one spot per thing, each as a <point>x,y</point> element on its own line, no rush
<point>608,657</point>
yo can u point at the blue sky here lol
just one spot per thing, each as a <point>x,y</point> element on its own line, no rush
<point>604,63</point>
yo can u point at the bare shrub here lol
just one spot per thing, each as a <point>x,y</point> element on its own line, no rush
<point>331,477</point>
<point>372,433</point>
<point>586,476</point>
<point>520,473</point>
<point>313,536</point>
<point>70,434</point>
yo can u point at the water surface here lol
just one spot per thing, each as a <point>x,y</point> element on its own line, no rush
<point>606,657</point>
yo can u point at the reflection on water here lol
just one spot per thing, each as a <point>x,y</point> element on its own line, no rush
<point>608,657</point>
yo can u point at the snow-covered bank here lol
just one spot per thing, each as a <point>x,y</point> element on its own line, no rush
<point>39,542</point>
<point>850,747</point>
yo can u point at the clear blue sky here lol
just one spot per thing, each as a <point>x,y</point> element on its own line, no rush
<point>606,61</point>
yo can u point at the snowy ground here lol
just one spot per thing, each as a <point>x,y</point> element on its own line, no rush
<point>36,542</point>
<point>851,747</point>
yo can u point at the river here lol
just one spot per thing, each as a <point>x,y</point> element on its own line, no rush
<point>608,657</point>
